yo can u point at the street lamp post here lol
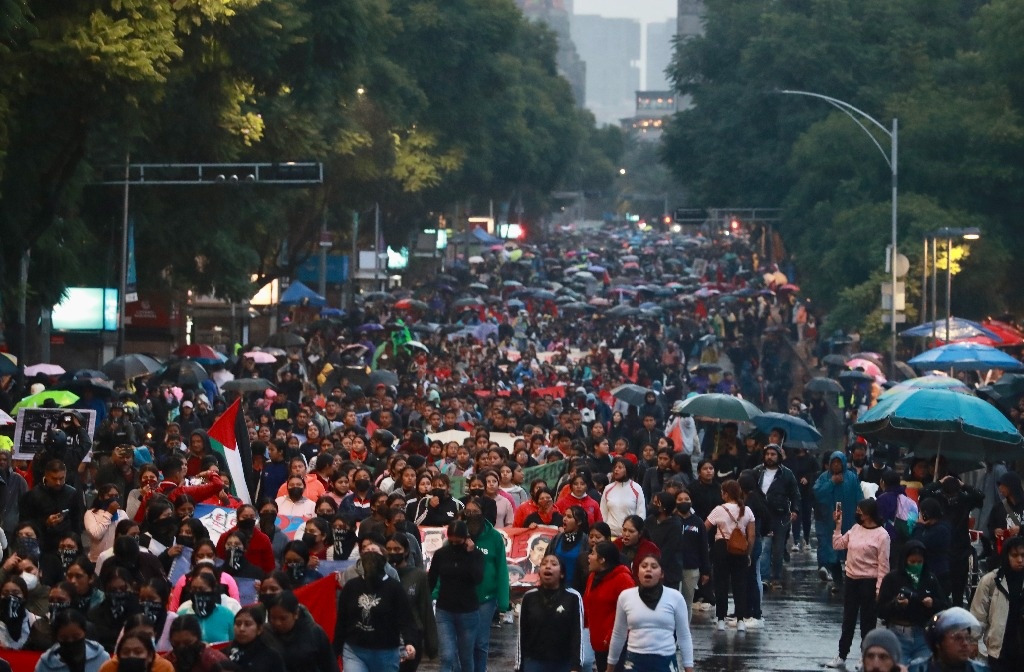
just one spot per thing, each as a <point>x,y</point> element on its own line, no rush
<point>948,233</point>
<point>891,159</point>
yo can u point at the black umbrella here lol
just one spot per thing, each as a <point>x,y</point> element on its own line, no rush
<point>84,374</point>
<point>468,302</point>
<point>101,387</point>
<point>634,395</point>
<point>126,367</point>
<point>622,310</point>
<point>185,373</point>
<point>285,339</point>
<point>834,360</point>
<point>379,297</point>
<point>856,376</point>
<point>383,377</point>
<point>822,384</point>
<point>243,385</point>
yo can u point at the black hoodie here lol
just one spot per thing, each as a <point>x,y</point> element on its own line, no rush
<point>898,581</point>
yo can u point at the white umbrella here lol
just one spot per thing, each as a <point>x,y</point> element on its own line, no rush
<point>45,369</point>
<point>476,259</point>
<point>260,357</point>
<point>5,419</point>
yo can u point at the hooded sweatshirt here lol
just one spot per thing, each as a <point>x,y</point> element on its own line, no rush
<point>495,585</point>
<point>848,493</point>
<point>899,580</point>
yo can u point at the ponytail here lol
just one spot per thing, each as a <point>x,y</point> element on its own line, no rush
<point>735,492</point>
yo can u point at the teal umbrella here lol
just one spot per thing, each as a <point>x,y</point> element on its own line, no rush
<point>937,421</point>
<point>798,433</point>
<point>964,357</point>
<point>932,382</point>
<point>723,407</point>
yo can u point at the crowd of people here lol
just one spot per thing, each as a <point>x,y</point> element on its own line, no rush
<point>658,514</point>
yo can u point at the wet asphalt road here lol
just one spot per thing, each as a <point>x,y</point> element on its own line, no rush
<point>800,633</point>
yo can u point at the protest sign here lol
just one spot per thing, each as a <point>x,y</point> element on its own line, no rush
<point>34,424</point>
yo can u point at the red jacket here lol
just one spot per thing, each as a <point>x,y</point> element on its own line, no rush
<point>260,552</point>
<point>589,504</point>
<point>644,548</point>
<point>599,605</point>
<point>172,491</point>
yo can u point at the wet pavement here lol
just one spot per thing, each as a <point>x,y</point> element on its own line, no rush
<point>800,633</point>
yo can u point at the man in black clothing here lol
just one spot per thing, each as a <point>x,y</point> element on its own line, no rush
<point>782,493</point>
<point>119,471</point>
<point>648,434</point>
<point>654,479</point>
<point>958,500</point>
<point>54,506</point>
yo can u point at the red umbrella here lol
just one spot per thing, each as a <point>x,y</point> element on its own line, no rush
<point>1008,334</point>
<point>198,351</point>
<point>789,287</point>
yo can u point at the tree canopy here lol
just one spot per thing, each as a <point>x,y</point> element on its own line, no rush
<point>947,69</point>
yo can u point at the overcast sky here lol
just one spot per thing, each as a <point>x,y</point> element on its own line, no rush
<point>646,10</point>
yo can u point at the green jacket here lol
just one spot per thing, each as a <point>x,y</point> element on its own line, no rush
<point>495,584</point>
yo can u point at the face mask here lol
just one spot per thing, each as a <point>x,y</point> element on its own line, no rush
<point>131,665</point>
<point>31,581</point>
<point>72,653</point>
<point>187,542</point>
<point>473,517</point>
<point>684,508</point>
<point>310,540</point>
<point>476,492</point>
<point>166,526</point>
<point>296,571</point>
<point>396,559</point>
<point>187,657</point>
<point>362,485</point>
<point>247,524</point>
<point>296,493</point>
<point>12,608</point>
<point>56,608</point>
<point>203,604</point>
<point>152,610</point>
<point>266,598</point>
<point>268,518</point>
<point>103,505</point>
<point>914,572</point>
<point>206,561</point>
<point>118,601</point>
<point>234,559</point>
<point>67,556</point>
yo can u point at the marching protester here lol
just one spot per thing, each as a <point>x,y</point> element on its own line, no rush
<point>551,623</point>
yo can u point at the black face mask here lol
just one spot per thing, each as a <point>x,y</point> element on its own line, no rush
<point>82,603</point>
<point>234,557</point>
<point>266,598</point>
<point>152,610</point>
<point>187,657</point>
<point>362,485</point>
<point>476,492</point>
<point>247,524</point>
<point>72,653</point>
<point>131,665</point>
<point>296,571</point>
<point>268,518</point>
<point>310,540</point>
<point>67,556</point>
<point>118,601</point>
<point>684,508</point>
<point>56,608</point>
<point>12,608</point>
<point>396,559</point>
<point>204,603</point>
<point>296,493</point>
<point>187,542</point>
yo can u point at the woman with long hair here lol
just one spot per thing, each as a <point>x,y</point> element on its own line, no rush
<point>189,653</point>
<point>135,652</point>
<point>577,493</point>
<point>632,544</point>
<point>867,562</point>
<point>623,497</point>
<point>301,641</point>
<point>215,619</point>
<point>657,622</point>
<point>998,605</point>
<point>73,652</point>
<point>731,560</point>
<point>550,623</point>
<point>456,569</point>
<point>572,547</point>
<point>417,588</point>
<point>608,577</point>
<point>248,650</point>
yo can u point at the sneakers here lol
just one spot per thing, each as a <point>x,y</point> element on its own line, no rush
<point>824,574</point>
<point>776,585</point>
<point>507,617</point>
<point>731,621</point>
<point>838,663</point>
<point>805,547</point>
<point>741,626</point>
<point>721,625</point>
<point>753,623</point>
<point>795,548</point>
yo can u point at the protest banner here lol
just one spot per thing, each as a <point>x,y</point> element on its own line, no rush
<point>33,426</point>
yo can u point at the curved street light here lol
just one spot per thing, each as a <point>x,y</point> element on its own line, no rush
<point>859,117</point>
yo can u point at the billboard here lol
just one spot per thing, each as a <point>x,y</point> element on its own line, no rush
<point>86,309</point>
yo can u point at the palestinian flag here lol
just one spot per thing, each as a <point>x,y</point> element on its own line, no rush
<point>230,437</point>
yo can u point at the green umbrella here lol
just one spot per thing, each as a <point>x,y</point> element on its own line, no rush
<point>716,406</point>
<point>59,397</point>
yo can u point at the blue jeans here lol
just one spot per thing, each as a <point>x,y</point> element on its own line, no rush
<point>762,559</point>
<point>755,590</point>
<point>360,659</point>
<point>455,638</point>
<point>482,641</point>
<point>780,534</point>
<point>650,662</point>
<point>912,642</point>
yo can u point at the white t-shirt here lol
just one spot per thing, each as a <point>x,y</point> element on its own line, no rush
<point>726,517</point>
<point>767,478</point>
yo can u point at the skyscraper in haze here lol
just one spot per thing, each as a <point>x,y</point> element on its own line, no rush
<point>557,14</point>
<point>659,53</point>
<point>611,50</point>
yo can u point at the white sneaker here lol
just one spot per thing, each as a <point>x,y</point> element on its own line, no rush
<point>507,617</point>
<point>805,547</point>
<point>838,663</point>
<point>824,574</point>
<point>741,626</point>
<point>795,548</point>
<point>753,623</point>
<point>721,625</point>
<point>731,621</point>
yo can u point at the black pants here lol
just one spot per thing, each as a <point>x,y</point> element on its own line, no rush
<point>730,575</point>
<point>858,596</point>
<point>958,569</point>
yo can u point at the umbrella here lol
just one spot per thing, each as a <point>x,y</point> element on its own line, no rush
<point>934,382</point>
<point>276,352</point>
<point>370,326</point>
<point>417,345</point>
<point>634,395</point>
<point>45,369</point>
<point>936,421</point>
<point>127,367</point>
<point>6,419</point>
<point>84,374</point>
<point>243,385</point>
<point>822,384</point>
<point>1006,391</point>
<point>706,368</point>
<point>722,407</point>
<point>285,339</point>
<point>856,376</point>
<point>869,367</point>
<point>411,304</point>
<point>834,360</point>
<point>184,372</point>
<point>8,364</point>
<point>59,398</point>
<point>623,311</point>
<point>964,357</point>
<point>511,283</point>
<point>379,297</point>
<point>799,434</point>
<point>476,259</point>
<point>260,357</point>
<point>383,377</point>
<point>477,286</point>
<point>468,302</point>
<point>101,387</point>
<point>204,354</point>
<point>515,303</point>
<point>789,287</point>
<point>958,328</point>
<point>1008,334</point>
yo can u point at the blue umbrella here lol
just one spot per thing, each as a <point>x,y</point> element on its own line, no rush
<point>964,357</point>
<point>515,303</point>
<point>958,328</point>
<point>934,421</point>
<point>798,433</point>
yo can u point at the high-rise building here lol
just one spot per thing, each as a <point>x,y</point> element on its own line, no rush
<point>689,24</point>
<point>660,50</point>
<point>611,50</point>
<point>557,14</point>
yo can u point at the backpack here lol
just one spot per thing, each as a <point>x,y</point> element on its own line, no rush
<point>736,544</point>
<point>906,517</point>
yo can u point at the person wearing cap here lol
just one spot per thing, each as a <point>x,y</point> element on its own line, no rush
<point>998,605</point>
<point>115,430</point>
<point>953,638</point>
<point>779,486</point>
<point>880,652</point>
<point>187,418</point>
